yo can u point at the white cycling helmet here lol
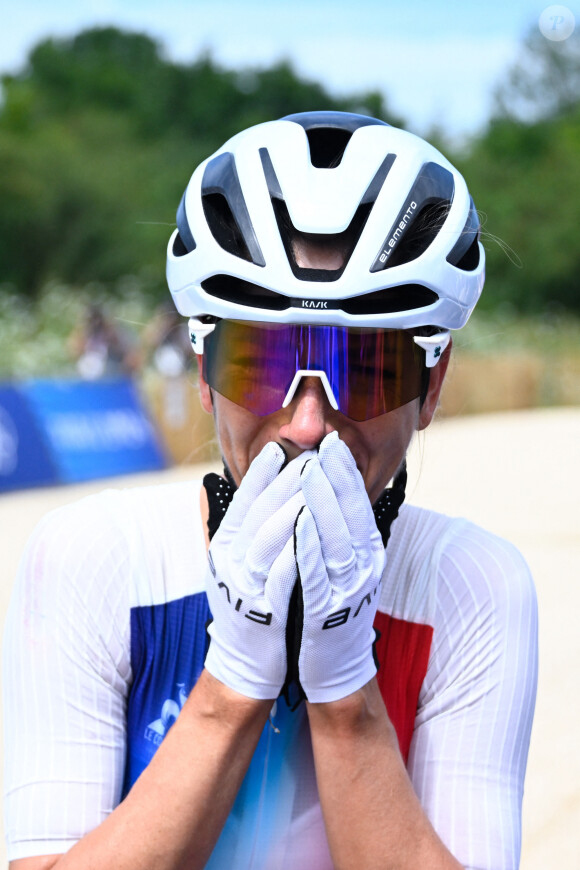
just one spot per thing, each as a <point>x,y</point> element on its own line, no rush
<point>400,212</point>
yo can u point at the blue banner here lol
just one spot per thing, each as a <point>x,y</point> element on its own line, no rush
<point>70,431</point>
<point>95,428</point>
<point>25,457</point>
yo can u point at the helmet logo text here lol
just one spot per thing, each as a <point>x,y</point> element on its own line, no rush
<point>314,303</point>
<point>401,227</point>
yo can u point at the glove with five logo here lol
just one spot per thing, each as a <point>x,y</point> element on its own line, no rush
<point>340,558</point>
<point>252,572</point>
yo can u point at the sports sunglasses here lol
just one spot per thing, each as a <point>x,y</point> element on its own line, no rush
<point>364,372</point>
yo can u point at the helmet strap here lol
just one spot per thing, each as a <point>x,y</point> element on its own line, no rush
<point>386,507</point>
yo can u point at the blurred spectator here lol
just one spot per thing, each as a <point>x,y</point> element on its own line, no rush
<point>168,357</point>
<point>166,342</point>
<point>102,347</point>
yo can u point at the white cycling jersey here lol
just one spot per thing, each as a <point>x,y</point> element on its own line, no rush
<point>106,636</point>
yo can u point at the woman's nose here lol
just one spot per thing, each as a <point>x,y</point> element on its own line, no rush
<point>309,410</point>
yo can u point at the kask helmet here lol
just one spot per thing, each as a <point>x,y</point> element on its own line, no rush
<point>397,209</point>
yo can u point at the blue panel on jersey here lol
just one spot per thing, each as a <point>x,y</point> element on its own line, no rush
<point>276,813</point>
<point>168,648</point>
<point>278,792</point>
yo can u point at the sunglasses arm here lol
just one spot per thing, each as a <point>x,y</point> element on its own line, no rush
<point>433,345</point>
<point>197,332</point>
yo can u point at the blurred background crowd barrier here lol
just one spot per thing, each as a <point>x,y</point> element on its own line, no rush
<point>68,431</point>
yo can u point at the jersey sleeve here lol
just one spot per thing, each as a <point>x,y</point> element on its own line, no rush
<point>66,677</point>
<point>470,743</point>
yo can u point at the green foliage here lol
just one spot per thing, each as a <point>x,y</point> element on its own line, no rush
<point>544,83</point>
<point>524,175</point>
<point>501,332</point>
<point>526,183</point>
<point>98,137</point>
<point>35,333</point>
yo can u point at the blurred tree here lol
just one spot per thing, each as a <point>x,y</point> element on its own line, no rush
<point>102,68</point>
<point>524,173</point>
<point>98,136</point>
<point>544,83</point>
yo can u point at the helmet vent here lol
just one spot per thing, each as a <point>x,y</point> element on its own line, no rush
<point>402,298</point>
<point>223,225</point>
<point>386,301</point>
<point>423,230</point>
<point>329,133</point>
<point>470,260</point>
<point>184,242</point>
<point>179,249</point>
<point>240,292</point>
<point>465,253</point>
<point>344,242</point>
<point>226,211</point>
<point>420,218</point>
<point>327,146</point>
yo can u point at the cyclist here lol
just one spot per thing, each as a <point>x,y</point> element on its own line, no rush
<point>367,693</point>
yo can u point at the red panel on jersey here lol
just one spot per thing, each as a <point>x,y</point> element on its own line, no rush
<point>403,651</point>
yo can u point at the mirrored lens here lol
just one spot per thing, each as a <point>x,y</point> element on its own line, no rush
<point>371,371</point>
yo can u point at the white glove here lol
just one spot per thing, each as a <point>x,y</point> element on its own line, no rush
<point>252,572</point>
<point>340,558</point>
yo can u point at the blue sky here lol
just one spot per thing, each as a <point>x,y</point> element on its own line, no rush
<point>437,62</point>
